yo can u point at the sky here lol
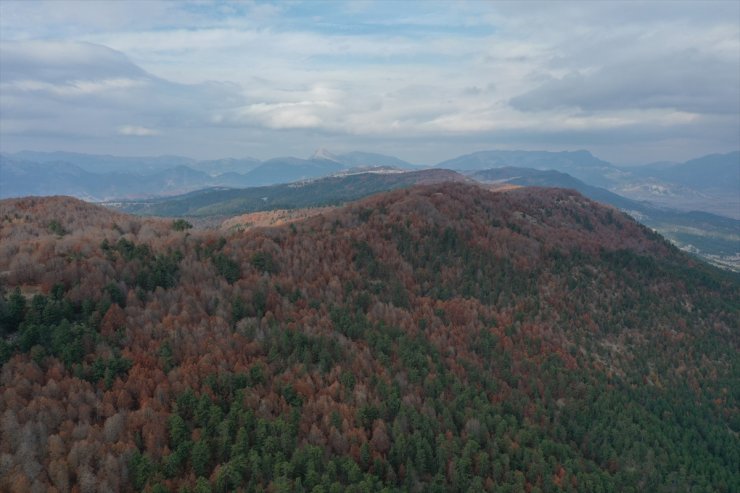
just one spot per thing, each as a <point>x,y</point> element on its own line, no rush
<point>633,82</point>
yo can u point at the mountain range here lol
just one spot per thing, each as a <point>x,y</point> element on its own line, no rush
<point>101,177</point>
<point>580,164</point>
<point>696,204</point>
<point>710,183</point>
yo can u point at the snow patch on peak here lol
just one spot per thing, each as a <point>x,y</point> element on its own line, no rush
<point>324,154</point>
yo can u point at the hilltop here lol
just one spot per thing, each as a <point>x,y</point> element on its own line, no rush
<point>442,337</point>
<point>714,238</point>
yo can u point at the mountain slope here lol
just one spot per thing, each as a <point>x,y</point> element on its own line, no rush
<point>216,167</point>
<point>580,164</point>
<point>715,238</point>
<point>712,172</point>
<point>529,177</point>
<point>710,184</point>
<point>290,169</point>
<point>20,178</point>
<point>356,159</point>
<point>437,338</point>
<point>100,163</point>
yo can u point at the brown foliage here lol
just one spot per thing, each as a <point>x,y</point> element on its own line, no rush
<point>81,433</point>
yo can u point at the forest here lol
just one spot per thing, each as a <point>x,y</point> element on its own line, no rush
<point>443,337</point>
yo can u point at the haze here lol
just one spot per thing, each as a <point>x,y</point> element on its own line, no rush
<point>633,83</point>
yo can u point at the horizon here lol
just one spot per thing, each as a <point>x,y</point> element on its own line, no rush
<point>318,149</point>
<point>632,83</point>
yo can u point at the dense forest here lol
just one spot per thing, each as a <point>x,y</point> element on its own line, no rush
<point>438,338</point>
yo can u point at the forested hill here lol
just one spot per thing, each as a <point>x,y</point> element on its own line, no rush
<point>437,338</point>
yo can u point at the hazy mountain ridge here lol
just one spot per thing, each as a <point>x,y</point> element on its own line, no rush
<point>104,163</point>
<point>714,171</point>
<point>104,177</point>
<point>437,338</point>
<point>710,183</point>
<point>288,169</point>
<point>309,193</point>
<point>20,178</point>
<point>580,164</point>
<point>363,159</point>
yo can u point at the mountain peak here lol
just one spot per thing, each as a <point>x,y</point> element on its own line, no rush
<point>324,154</point>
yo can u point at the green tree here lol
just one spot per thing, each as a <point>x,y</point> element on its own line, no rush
<point>14,311</point>
<point>201,458</point>
<point>181,225</point>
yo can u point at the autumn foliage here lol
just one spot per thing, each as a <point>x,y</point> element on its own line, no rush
<point>438,338</point>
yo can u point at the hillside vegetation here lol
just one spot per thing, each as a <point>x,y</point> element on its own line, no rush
<point>436,338</point>
<point>715,238</point>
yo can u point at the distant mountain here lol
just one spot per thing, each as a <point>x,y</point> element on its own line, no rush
<point>217,167</point>
<point>715,171</point>
<point>529,177</point>
<point>321,163</point>
<point>319,192</point>
<point>354,159</point>
<point>103,177</point>
<point>580,164</point>
<point>323,154</point>
<point>100,163</point>
<point>290,169</point>
<point>20,178</point>
<point>710,183</point>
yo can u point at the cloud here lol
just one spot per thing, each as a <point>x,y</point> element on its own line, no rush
<point>303,114</point>
<point>137,131</point>
<point>688,81</point>
<point>427,79</point>
<point>61,61</point>
<point>90,90</point>
<point>73,88</point>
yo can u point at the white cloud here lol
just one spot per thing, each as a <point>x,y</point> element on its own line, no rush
<point>365,73</point>
<point>137,131</point>
<point>302,114</point>
<point>74,87</point>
